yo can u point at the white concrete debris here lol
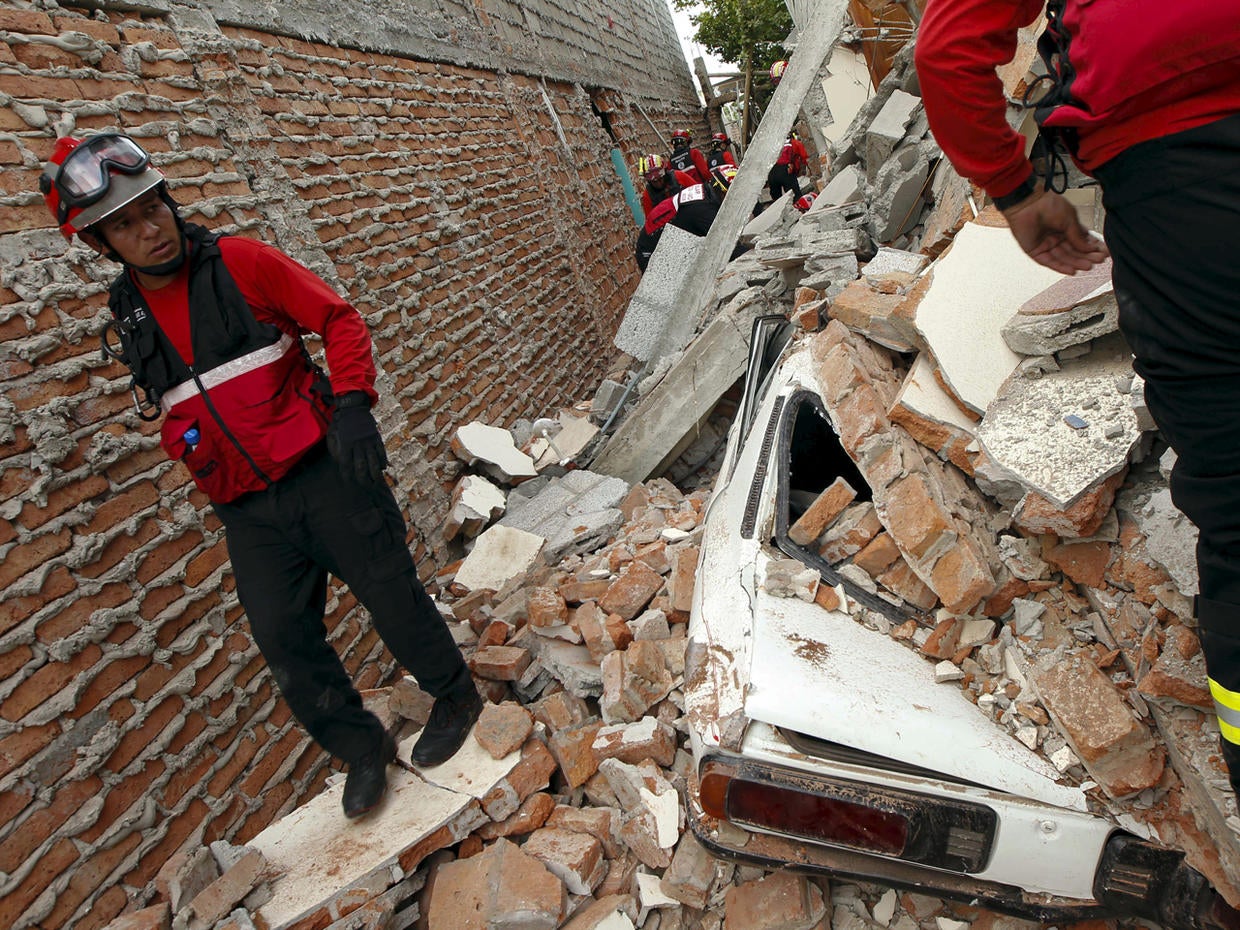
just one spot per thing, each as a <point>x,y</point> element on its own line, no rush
<point>888,128</point>
<point>493,449</point>
<point>476,502</point>
<point>791,578</point>
<point>846,187</point>
<point>1066,432</point>
<point>976,288</point>
<point>499,554</point>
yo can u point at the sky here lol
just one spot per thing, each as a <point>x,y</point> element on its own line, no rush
<point>684,29</point>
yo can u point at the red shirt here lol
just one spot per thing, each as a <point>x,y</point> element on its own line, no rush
<point>286,294</point>
<point>1144,69</point>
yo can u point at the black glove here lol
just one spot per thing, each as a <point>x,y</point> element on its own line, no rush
<point>354,441</point>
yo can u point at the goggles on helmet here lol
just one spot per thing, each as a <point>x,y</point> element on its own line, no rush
<point>85,174</point>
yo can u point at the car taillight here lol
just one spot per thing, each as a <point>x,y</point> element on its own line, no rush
<point>927,829</point>
<point>830,820</point>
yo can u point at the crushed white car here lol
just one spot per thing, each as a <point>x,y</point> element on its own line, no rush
<point>822,743</point>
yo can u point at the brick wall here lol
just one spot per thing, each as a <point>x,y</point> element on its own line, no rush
<point>440,164</point>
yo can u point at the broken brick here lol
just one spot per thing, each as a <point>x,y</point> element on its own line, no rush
<point>632,591</point>
<point>822,512</point>
<point>503,728</point>
<point>1115,747</point>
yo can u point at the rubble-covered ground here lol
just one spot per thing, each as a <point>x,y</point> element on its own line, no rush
<point>1017,513</point>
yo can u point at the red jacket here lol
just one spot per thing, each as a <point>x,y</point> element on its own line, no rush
<point>266,409</point>
<point>650,196</point>
<point>1143,69</point>
<point>794,155</point>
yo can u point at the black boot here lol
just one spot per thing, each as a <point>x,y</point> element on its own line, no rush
<point>451,718</point>
<point>367,780</point>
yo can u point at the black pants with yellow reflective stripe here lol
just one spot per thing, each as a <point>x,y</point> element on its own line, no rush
<point>1173,211</point>
<point>283,542</point>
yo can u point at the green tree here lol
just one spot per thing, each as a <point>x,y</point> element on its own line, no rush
<point>747,33</point>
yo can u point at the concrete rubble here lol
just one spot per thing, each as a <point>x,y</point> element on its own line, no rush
<point>1017,534</point>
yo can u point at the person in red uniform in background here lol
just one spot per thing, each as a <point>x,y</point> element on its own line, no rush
<point>1146,97</point>
<point>720,152</point>
<point>688,159</point>
<point>211,329</point>
<point>662,180</point>
<point>791,162</point>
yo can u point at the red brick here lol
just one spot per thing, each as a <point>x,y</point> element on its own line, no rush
<point>121,546</point>
<point>164,557</point>
<point>178,828</point>
<point>140,738</point>
<point>780,899</point>
<point>122,796</point>
<point>30,22</point>
<point>1090,711</point>
<point>819,515</point>
<point>47,867</point>
<point>43,823</point>
<point>201,566</point>
<point>77,614</point>
<point>916,520</point>
<point>500,663</point>
<point>632,591</point>
<point>28,556</point>
<point>45,682</point>
<point>17,747</point>
<point>87,877</point>
<point>961,577</point>
<point>119,506</point>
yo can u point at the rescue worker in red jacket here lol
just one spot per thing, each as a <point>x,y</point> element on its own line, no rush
<point>211,329</point>
<point>688,159</point>
<point>662,180</point>
<point>1146,96</point>
<point>791,162</point>
<point>690,209</point>
<point>720,151</point>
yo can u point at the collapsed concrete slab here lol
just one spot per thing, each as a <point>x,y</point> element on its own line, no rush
<point>847,86</point>
<point>1070,312</point>
<point>848,186</point>
<point>1066,432</point>
<point>685,395</point>
<point>888,130</point>
<point>493,450</point>
<point>573,513</point>
<point>325,859</point>
<point>659,297</point>
<point>500,553</point>
<point>976,287</point>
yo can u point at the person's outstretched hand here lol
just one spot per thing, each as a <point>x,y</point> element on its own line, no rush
<point>1048,229</point>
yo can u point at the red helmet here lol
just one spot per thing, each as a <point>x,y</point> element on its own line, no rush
<point>805,201</point>
<point>652,166</point>
<point>720,138</point>
<point>778,69</point>
<point>87,179</point>
<point>681,135</point>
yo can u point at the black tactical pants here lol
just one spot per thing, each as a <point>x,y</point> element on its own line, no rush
<point>780,180</point>
<point>283,542</point>
<point>1173,216</point>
